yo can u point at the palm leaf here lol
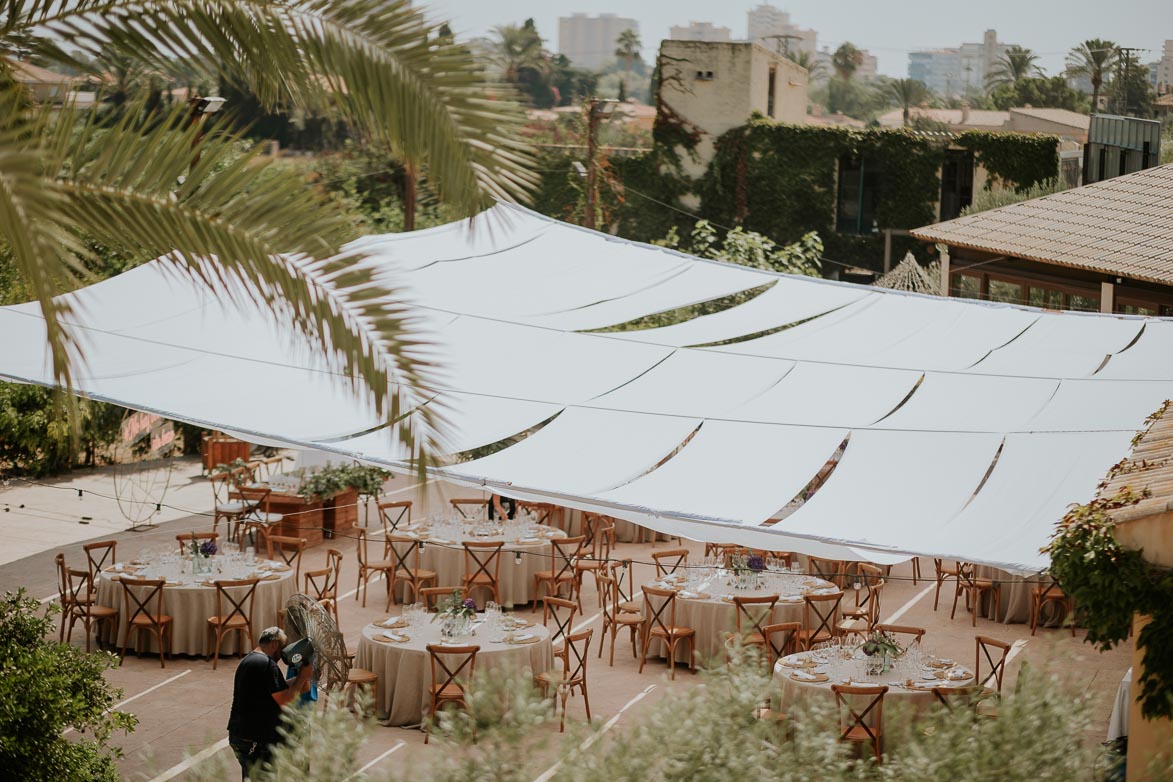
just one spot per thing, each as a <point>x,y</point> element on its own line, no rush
<point>275,241</point>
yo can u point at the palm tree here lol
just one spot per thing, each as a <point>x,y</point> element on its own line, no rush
<point>1093,59</point>
<point>909,93</point>
<point>814,66</point>
<point>513,48</point>
<point>846,60</point>
<point>136,187</point>
<point>627,49</point>
<point>1013,66</point>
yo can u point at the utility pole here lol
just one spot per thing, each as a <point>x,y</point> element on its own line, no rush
<point>1127,52</point>
<point>597,110</point>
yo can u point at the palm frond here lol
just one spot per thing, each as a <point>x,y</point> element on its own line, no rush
<point>273,238</point>
<point>405,89</point>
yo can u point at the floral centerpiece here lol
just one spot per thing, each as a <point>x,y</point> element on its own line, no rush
<point>457,612</point>
<point>880,649</point>
<point>747,569</point>
<point>201,554</point>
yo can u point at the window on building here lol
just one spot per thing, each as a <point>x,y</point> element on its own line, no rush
<point>770,85</point>
<point>956,182</point>
<point>1083,303</point>
<point>1005,291</point>
<point>1136,309</point>
<point>966,286</point>
<point>859,195</point>
<point>1047,298</point>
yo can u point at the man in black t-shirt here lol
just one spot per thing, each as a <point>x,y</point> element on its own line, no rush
<point>258,695</point>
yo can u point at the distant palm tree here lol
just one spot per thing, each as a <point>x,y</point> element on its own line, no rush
<point>814,66</point>
<point>514,47</point>
<point>1093,59</point>
<point>846,61</point>
<point>1013,66</point>
<point>909,93</point>
<point>627,49</point>
<point>137,187</point>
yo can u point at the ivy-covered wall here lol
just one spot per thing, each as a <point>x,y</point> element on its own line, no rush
<point>781,181</point>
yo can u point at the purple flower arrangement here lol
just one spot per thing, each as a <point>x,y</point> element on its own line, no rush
<point>208,549</point>
<point>755,563</point>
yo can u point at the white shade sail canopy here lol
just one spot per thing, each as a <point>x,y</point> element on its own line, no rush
<point>937,427</point>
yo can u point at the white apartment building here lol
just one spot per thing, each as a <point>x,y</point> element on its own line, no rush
<point>700,31</point>
<point>1165,68</point>
<point>589,41</point>
<point>770,27</point>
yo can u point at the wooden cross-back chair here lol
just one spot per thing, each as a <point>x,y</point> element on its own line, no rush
<point>861,619</point>
<point>141,619</point>
<point>543,511</point>
<point>83,607</point>
<point>256,519</point>
<point>368,567</point>
<point>226,507</point>
<point>430,597</point>
<point>827,569</point>
<point>100,554</point>
<point>449,685</point>
<point>620,571</point>
<point>596,559</point>
<point>1050,594</point>
<point>969,696</point>
<point>572,676</point>
<point>753,613</point>
<point>669,560</point>
<point>64,594</point>
<point>563,554</point>
<point>943,573</point>
<point>858,728</point>
<point>562,612</point>
<point>234,614</point>
<point>914,634</point>
<point>288,550</point>
<point>614,619</point>
<point>394,514</point>
<point>466,506</point>
<point>186,540</point>
<point>322,585</point>
<point>482,567</point>
<point>786,557</point>
<point>404,555</point>
<point>658,602</point>
<point>995,652</point>
<point>974,588</point>
<point>781,639</point>
<point>819,618</point>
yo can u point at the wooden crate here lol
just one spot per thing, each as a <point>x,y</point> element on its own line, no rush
<point>221,449</point>
<point>303,518</point>
<point>340,512</point>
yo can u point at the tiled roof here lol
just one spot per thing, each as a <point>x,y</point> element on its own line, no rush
<point>1149,466</point>
<point>1058,116</point>
<point>1121,226</point>
<point>27,73</point>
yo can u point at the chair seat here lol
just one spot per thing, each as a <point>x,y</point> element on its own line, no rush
<point>548,575</point>
<point>631,607</point>
<point>361,676</point>
<point>231,621</point>
<point>859,734</point>
<point>145,620</point>
<point>628,620</point>
<point>853,626</point>
<point>557,678</point>
<point>447,692</point>
<point>1048,593</point>
<point>381,564</point>
<point>232,506</point>
<point>95,611</point>
<point>769,714</point>
<point>672,630</point>
<point>479,578</point>
<point>260,517</point>
<point>855,613</point>
<point>415,574</point>
<point>591,564</point>
<point>983,583</point>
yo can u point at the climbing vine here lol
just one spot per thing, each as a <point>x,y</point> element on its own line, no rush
<point>1110,583</point>
<point>1018,160</point>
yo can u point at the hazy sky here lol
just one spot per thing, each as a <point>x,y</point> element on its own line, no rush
<point>888,28</point>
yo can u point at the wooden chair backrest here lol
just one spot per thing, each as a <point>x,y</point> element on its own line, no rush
<point>868,572</point>
<point>608,596</point>
<point>334,562</point>
<point>989,647</point>
<point>917,633</point>
<point>393,514</point>
<point>199,538</point>
<point>99,554</point>
<point>62,576</point>
<point>320,584</point>
<point>563,613</point>
<point>657,602</point>
<point>780,638</point>
<point>669,560</point>
<point>754,613</point>
<point>543,511</point>
<point>621,574</point>
<point>604,541</point>
<point>825,610</point>
<point>966,575</point>
<point>255,499</point>
<point>562,556</point>
<point>289,549</point>
<point>970,695</point>
<point>482,557</point>
<point>360,544</point>
<point>577,647</point>
<point>460,504</point>
<point>222,483</point>
<point>845,696</point>
<point>403,553</point>
<point>827,569</point>
<point>452,673</point>
<point>80,586</point>
<point>430,596</point>
<point>135,606</point>
<point>239,596</point>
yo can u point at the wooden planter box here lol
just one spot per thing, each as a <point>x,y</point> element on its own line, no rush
<point>303,518</point>
<point>221,449</point>
<point>340,512</point>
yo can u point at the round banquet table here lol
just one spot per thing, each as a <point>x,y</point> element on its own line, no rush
<point>189,600</point>
<point>791,675</point>
<point>443,553</point>
<point>707,607</point>
<point>1014,602</point>
<point>404,671</point>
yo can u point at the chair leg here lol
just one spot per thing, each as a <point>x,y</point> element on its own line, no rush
<point>586,701</point>
<point>563,693</point>
<point>643,657</point>
<point>956,594</point>
<point>937,595</point>
<point>977,605</point>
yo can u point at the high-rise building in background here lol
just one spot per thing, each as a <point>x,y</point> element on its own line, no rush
<point>1165,69</point>
<point>770,26</point>
<point>589,41</point>
<point>956,71</point>
<point>701,31</point>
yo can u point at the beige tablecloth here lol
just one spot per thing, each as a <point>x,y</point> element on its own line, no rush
<point>1014,605</point>
<point>716,615</point>
<point>918,697</point>
<point>190,605</point>
<point>404,669</point>
<point>515,579</point>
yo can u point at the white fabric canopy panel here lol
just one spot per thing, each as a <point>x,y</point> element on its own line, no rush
<point>663,426</point>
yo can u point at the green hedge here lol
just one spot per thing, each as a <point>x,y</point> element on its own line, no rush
<point>1018,160</point>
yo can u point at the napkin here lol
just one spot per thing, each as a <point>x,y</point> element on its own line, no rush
<point>396,637</point>
<point>808,677</point>
<point>686,595</point>
<point>530,540</point>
